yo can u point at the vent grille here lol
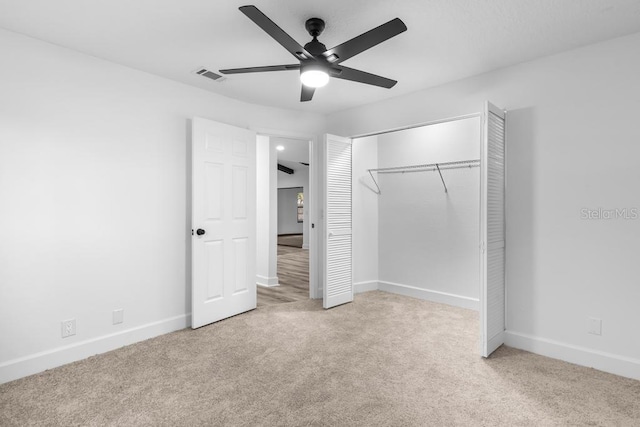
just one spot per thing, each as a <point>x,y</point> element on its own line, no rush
<point>209,74</point>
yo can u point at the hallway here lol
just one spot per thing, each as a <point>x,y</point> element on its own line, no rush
<point>293,276</point>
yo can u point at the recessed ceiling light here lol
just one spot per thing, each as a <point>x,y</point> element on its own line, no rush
<point>280,148</point>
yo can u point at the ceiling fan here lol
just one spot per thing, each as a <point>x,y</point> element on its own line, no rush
<point>317,63</point>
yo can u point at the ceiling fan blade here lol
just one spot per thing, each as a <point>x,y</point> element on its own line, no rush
<point>366,40</point>
<point>307,93</point>
<point>346,73</point>
<point>276,32</point>
<point>261,69</point>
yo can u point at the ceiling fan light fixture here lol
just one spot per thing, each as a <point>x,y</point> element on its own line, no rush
<point>332,58</point>
<point>317,63</point>
<point>314,76</point>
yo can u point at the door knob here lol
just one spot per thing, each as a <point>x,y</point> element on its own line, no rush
<point>200,231</point>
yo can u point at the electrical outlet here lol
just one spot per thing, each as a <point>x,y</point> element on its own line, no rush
<point>595,326</point>
<point>68,328</point>
<point>118,316</point>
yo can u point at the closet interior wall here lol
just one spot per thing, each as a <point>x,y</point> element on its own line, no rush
<point>364,211</point>
<point>428,239</point>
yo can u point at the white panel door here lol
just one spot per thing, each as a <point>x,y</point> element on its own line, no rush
<point>338,280</point>
<point>492,230</point>
<point>223,221</point>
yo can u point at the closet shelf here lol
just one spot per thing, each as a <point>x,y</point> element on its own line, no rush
<point>429,167</point>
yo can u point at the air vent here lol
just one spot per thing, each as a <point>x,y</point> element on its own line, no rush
<point>209,74</point>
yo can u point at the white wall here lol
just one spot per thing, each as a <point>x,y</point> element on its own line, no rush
<point>94,212</point>
<point>267,212</point>
<point>287,211</point>
<point>299,179</point>
<point>364,214</point>
<point>429,238</point>
<point>573,143</point>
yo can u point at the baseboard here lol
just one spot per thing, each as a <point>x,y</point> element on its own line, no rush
<point>267,282</point>
<point>305,246</point>
<point>430,295</point>
<point>360,287</point>
<point>32,364</point>
<point>602,361</point>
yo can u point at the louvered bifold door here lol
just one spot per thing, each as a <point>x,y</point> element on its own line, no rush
<point>492,226</point>
<point>338,286</point>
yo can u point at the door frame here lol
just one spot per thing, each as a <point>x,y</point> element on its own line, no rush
<point>311,203</point>
<point>480,114</point>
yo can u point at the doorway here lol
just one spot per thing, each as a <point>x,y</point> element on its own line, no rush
<point>284,275</point>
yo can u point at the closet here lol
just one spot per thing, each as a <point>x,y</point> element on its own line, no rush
<point>432,199</point>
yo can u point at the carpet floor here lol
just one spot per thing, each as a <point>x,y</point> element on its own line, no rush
<point>383,360</point>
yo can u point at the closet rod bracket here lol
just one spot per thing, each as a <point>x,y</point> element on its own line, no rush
<point>445,185</point>
<point>374,181</point>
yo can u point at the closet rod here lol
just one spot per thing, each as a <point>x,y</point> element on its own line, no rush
<point>424,168</point>
<point>428,165</point>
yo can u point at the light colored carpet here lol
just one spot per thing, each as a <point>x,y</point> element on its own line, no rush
<point>381,360</point>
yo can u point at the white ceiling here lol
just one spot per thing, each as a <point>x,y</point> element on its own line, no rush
<point>295,150</point>
<point>446,39</point>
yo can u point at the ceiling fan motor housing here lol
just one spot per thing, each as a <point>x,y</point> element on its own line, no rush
<point>315,26</point>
